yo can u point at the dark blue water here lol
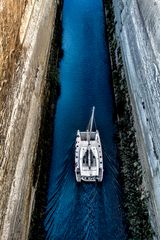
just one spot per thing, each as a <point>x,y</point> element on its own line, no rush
<point>84,211</point>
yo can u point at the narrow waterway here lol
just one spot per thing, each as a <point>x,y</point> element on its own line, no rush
<point>85,210</point>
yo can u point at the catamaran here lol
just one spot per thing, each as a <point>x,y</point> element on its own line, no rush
<point>88,154</point>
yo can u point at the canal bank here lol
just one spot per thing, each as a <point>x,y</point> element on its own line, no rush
<point>135,196</point>
<point>27,28</point>
<point>45,142</point>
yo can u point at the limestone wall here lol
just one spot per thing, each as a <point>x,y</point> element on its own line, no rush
<point>11,13</point>
<point>20,115</point>
<point>138,30</point>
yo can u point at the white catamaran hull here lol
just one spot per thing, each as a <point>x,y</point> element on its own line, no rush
<point>88,156</point>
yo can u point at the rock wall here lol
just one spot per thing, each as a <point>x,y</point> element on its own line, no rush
<point>138,30</point>
<point>20,118</point>
<point>11,13</point>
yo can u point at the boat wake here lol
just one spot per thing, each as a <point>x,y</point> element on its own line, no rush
<point>84,211</point>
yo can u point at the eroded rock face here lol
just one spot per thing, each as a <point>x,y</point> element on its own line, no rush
<point>20,126</point>
<point>138,29</point>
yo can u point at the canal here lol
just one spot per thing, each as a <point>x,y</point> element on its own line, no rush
<point>85,210</point>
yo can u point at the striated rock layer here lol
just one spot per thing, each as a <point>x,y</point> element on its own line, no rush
<point>20,114</point>
<point>138,30</point>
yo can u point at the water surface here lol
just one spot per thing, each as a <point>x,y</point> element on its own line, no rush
<point>84,211</point>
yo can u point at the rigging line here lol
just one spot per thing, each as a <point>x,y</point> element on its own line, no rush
<point>88,124</point>
<point>95,124</point>
<point>94,121</point>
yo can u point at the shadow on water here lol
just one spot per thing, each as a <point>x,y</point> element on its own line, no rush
<point>84,210</point>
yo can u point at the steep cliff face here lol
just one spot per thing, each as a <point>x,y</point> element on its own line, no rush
<point>138,30</point>
<point>25,53</point>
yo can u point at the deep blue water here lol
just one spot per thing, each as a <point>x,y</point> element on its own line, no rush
<point>84,211</point>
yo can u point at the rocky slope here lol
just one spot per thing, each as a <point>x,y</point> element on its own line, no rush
<point>137,27</point>
<point>21,99</point>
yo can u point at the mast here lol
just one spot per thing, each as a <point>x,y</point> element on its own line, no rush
<point>91,121</point>
<point>90,125</point>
